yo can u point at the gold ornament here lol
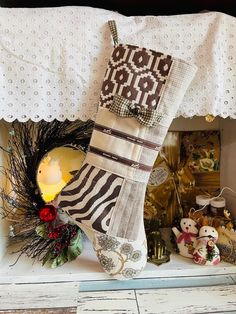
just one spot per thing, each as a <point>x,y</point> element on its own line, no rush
<point>209,118</point>
<point>157,251</point>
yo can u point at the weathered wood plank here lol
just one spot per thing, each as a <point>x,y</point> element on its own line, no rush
<point>32,296</point>
<point>42,311</point>
<point>112,302</point>
<point>233,277</point>
<point>152,283</point>
<point>216,299</point>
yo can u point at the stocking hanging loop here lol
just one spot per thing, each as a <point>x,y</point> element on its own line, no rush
<point>114,33</point>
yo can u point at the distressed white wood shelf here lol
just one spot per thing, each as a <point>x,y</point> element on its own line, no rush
<point>87,268</point>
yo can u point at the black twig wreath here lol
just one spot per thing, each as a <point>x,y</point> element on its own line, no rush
<point>33,223</point>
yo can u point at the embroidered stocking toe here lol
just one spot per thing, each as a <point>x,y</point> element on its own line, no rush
<point>141,93</point>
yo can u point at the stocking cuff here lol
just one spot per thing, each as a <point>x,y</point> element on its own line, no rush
<point>128,148</point>
<point>145,84</point>
<point>180,77</point>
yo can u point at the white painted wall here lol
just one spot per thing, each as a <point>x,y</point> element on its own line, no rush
<point>3,224</point>
<point>228,160</point>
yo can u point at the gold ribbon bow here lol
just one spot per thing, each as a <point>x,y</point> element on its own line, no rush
<point>124,108</point>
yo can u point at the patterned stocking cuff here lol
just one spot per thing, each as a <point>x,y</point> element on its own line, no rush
<point>145,84</point>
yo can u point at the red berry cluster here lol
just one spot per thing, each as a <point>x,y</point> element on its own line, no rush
<point>63,235</point>
<point>53,235</point>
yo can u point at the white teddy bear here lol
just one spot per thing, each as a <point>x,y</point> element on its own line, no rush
<point>186,239</point>
<point>206,251</point>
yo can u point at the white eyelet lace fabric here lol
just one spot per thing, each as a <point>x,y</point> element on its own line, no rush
<point>53,60</point>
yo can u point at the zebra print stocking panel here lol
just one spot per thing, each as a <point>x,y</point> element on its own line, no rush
<point>90,197</point>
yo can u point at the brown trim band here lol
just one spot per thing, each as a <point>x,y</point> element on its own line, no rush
<point>122,160</point>
<point>128,137</point>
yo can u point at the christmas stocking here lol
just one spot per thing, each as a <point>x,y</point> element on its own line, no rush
<point>141,93</point>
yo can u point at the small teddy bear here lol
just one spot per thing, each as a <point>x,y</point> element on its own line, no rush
<point>186,239</point>
<point>206,251</point>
